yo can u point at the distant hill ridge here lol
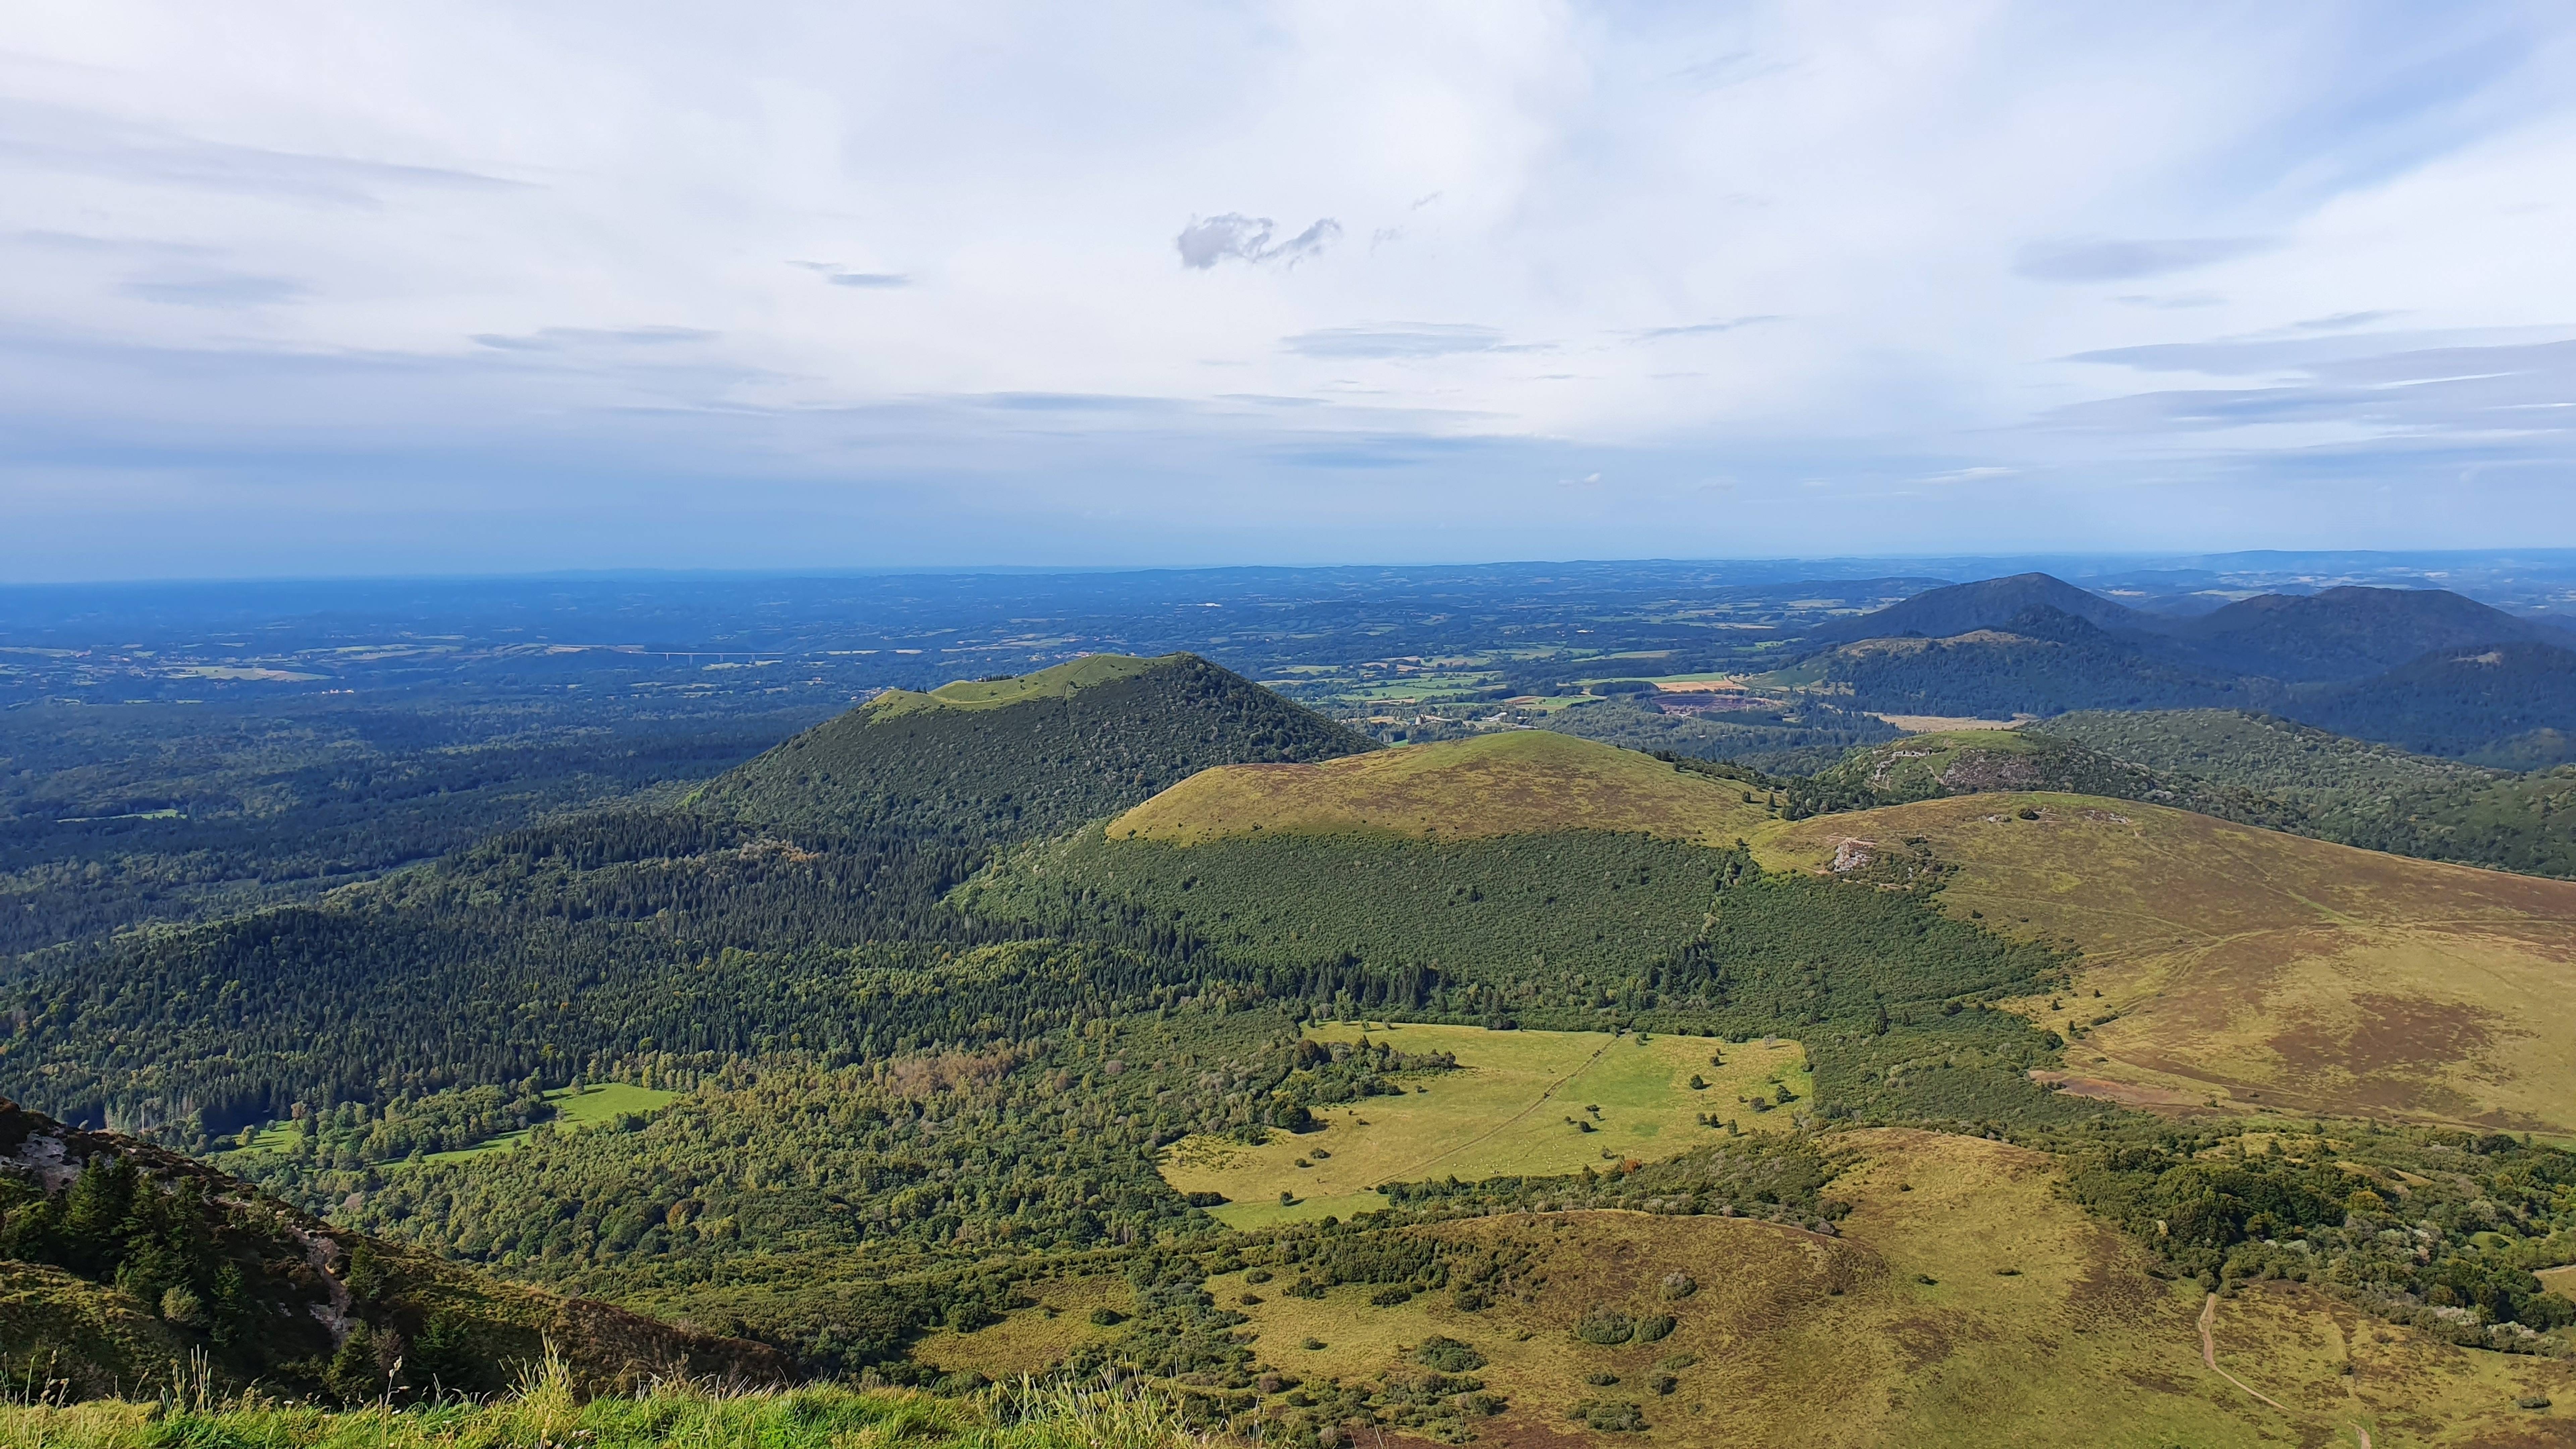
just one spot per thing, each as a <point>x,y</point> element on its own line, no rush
<point>2425,669</point>
<point>1014,757</point>
<point>1986,604</point>
<point>2350,632</point>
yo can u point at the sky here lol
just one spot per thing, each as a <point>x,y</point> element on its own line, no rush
<point>306,289</point>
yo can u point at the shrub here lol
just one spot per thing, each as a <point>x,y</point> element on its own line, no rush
<point>1651,1329</point>
<point>1448,1356</point>
<point>1612,1418</point>
<point>1606,1327</point>
<point>1679,1285</point>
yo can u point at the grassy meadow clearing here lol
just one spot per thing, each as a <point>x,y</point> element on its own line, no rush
<point>1520,1104</point>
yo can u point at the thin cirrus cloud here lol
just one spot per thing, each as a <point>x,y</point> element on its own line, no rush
<point>214,289</point>
<point>2097,260</point>
<point>80,142</point>
<point>570,339</point>
<point>839,276</point>
<point>1706,329</point>
<point>1236,237</point>
<point>1395,340</point>
<point>2406,389</point>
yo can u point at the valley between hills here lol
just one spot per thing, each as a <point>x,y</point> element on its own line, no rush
<point>2189,1064</point>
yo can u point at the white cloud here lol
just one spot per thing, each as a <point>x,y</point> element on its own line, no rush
<point>546,245</point>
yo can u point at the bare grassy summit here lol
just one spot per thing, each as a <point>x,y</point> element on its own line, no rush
<point>1521,782</point>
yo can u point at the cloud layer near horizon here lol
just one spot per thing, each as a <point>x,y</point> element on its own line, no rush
<point>310,290</point>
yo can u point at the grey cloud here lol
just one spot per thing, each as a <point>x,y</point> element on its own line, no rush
<point>1406,339</point>
<point>1203,244</point>
<point>213,289</point>
<point>2097,260</point>
<point>1707,329</point>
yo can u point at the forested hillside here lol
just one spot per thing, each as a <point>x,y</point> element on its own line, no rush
<point>983,761</point>
<point>1792,739</point>
<point>119,1262</point>
<point>2335,788</point>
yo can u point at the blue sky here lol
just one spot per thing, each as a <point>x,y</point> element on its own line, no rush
<point>318,289</point>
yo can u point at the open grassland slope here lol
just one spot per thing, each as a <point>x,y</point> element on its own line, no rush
<point>2256,968</point>
<point>1008,759</point>
<point>1518,1104</point>
<point>1962,1301</point>
<point>1518,782</point>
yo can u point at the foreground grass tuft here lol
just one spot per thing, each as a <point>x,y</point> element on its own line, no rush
<point>546,1413</point>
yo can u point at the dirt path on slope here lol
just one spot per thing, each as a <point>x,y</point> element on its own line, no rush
<point>2209,1356</point>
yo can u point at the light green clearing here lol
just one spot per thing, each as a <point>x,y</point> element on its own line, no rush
<point>1056,682</point>
<point>573,1112</point>
<point>1504,1112</point>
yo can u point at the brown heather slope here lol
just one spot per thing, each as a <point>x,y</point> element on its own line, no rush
<point>2261,970</point>
<point>1965,1304</point>
<point>1519,782</point>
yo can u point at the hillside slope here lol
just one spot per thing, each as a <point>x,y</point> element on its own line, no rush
<point>2348,633</point>
<point>1968,762</point>
<point>2042,661</point>
<point>1550,882</point>
<point>2511,704</point>
<point>118,1261</point>
<point>1986,604</point>
<point>2258,968</point>
<point>1034,755</point>
<point>2351,791</point>
<point>1518,782</point>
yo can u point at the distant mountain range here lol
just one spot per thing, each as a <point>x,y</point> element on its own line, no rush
<point>2425,669</point>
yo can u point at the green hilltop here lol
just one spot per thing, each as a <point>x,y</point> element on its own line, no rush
<point>1031,755</point>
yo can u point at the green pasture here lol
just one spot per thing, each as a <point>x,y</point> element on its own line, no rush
<point>574,1110</point>
<point>1522,1103</point>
